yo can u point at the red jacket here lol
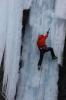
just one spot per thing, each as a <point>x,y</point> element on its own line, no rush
<point>41,42</point>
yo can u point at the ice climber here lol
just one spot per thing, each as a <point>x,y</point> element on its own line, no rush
<point>41,43</point>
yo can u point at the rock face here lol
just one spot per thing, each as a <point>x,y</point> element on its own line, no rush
<point>62,77</point>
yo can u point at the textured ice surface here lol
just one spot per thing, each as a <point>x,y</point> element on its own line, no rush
<point>60,9</point>
<point>3,26</point>
<point>12,47</point>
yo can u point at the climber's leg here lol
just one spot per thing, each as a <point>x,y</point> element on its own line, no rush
<point>52,52</point>
<point>41,58</point>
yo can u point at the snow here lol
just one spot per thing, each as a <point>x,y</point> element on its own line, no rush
<point>32,84</point>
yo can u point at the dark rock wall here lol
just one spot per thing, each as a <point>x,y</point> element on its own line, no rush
<point>62,77</point>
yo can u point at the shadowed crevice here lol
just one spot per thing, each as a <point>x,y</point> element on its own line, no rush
<point>62,77</point>
<point>25,20</point>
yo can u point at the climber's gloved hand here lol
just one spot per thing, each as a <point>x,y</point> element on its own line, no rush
<point>48,31</point>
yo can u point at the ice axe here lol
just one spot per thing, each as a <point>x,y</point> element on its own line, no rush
<point>48,31</point>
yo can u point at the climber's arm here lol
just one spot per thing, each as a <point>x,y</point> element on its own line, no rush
<point>46,35</point>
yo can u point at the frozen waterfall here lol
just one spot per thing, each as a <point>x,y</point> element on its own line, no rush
<point>34,84</point>
<point>30,83</point>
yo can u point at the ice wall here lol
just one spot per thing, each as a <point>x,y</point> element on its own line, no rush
<point>3,26</point>
<point>58,37</point>
<point>12,47</point>
<point>34,84</point>
<point>60,9</point>
<point>11,43</point>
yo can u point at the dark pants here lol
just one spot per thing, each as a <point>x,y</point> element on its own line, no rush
<point>42,51</point>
